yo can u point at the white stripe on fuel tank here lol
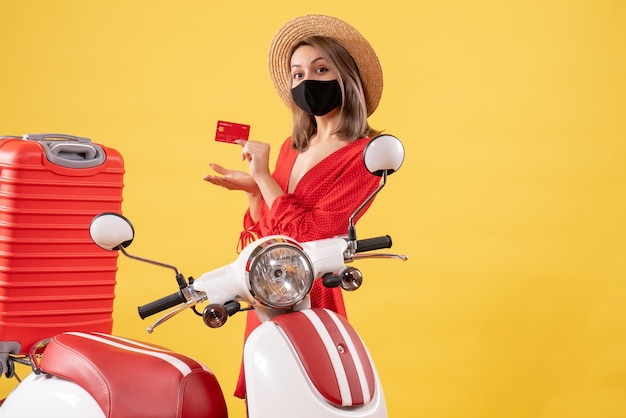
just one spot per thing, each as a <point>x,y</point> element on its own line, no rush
<point>340,373</point>
<point>355,357</point>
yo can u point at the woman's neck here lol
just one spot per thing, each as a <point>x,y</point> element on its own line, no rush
<point>327,127</point>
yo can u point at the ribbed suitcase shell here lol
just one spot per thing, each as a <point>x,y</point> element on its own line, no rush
<point>53,278</point>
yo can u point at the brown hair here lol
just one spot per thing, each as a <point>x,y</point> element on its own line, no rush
<point>353,122</point>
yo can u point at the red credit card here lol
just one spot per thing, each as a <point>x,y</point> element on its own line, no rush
<point>230,131</point>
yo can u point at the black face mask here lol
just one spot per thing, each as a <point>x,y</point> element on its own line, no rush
<point>317,97</point>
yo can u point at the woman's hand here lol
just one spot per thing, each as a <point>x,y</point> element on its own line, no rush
<point>232,179</point>
<point>258,155</point>
<point>259,184</point>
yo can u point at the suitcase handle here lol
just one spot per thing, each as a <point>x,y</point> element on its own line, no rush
<point>69,150</point>
<point>41,137</point>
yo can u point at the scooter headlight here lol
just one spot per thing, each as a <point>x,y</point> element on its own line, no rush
<point>280,274</point>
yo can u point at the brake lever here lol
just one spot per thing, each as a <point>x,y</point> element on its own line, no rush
<point>353,257</point>
<point>198,298</point>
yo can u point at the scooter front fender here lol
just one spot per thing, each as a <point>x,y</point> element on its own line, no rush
<point>285,376</point>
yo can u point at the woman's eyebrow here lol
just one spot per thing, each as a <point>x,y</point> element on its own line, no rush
<point>312,62</point>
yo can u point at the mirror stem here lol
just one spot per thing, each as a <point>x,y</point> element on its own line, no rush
<point>351,228</point>
<point>145,260</point>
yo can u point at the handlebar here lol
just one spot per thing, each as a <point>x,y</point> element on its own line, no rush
<point>160,305</point>
<point>371,244</point>
<point>349,279</point>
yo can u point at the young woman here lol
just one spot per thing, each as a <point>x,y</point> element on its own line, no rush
<point>330,77</point>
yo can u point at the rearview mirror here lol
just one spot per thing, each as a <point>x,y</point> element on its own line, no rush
<point>384,153</point>
<point>111,231</point>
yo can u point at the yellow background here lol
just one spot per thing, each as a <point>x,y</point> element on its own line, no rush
<point>510,203</point>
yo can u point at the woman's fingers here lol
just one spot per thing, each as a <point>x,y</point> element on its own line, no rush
<point>231,179</point>
<point>245,155</point>
<point>218,168</point>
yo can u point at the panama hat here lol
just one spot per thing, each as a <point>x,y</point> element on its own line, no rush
<point>361,51</point>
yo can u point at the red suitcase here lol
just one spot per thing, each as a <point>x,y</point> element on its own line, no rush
<point>53,278</point>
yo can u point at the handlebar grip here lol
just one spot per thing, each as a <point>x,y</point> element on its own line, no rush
<point>161,305</point>
<point>370,244</point>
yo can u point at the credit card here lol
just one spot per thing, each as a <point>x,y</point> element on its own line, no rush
<point>229,131</point>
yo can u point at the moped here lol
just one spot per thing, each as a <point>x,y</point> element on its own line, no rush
<point>300,362</point>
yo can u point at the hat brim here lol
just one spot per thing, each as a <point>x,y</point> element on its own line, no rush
<point>359,48</point>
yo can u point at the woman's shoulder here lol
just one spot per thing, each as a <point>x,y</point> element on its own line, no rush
<point>286,143</point>
<point>285,147</point>
<point>352,151</point>
<point>359,144</point>
<point>286,151</point>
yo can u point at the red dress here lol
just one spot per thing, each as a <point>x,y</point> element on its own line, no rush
<point>319,207</point>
